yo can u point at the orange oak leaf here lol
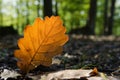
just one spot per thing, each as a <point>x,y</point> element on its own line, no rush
<point>42,41</point>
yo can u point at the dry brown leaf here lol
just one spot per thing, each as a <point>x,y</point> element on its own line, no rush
<point>42,41</point>
<point>94,72</point>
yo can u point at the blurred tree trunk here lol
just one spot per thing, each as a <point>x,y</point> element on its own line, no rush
<point>27,16</point>
<point>90,25</point>
<point>105,17</point>
<point>109,16</point>
<point>38,8</point>
<point>111,20</point>
<point>12,20</point>
<point>47,8</point>
<point>1,16</point>
<point>56,8</point>
<point>18,17</point>
<point>18,13</point>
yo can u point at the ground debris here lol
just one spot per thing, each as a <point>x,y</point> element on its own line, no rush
<point>79,74</point>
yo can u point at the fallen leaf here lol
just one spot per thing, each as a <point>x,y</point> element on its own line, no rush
<point>8,73</point>
<point>79,74</point>
<point>94,72</point>
<point>42,41</point>
<point>69,74</point>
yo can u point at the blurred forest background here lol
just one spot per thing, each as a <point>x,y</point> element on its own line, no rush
<point>94,17</point>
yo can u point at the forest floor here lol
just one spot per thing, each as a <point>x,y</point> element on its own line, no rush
<point>86,52</point>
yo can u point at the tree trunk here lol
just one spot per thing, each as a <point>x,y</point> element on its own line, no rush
<point>105,17</point>
<point>56,8</point>
<point>47,8</point>
<point>38,8</point>
<point>18,13</point>
<point>90,25</point>
<point>111,20</point>
<point>27,16</point>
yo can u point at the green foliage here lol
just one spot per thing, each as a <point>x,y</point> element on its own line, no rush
<point>74,13</point>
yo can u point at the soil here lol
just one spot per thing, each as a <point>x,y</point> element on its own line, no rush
<point>79,52</point>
